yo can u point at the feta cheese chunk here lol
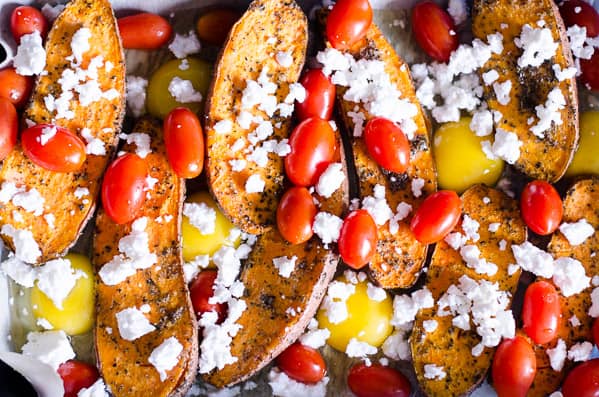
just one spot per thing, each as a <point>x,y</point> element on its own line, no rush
<point>166,356</point>
<point>201,216</point>
<point>330,180</point>
<point>50,347</point>
<point>133,324</point>
<point>184,45</point>
<point>183,91</point>
<point>432,371</point>
<point>285,265</point>
<point>31,56</point>
<point>577,232</point>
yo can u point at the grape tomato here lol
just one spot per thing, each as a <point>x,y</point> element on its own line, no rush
<point>387,144</point>
<point>201,290</point>
<point>77,375</point>
<point>358,239</point>
<point>184,141</point>
<point>15,87</point>
<point>144,31</point>
<point>302,363</point>
<point>583,380</point>
<point>438,214</point>
<point>348,23</point>
<point>9,127</point>
<point>581,13</point>
<point>320,96</point>
<point>541,207</point>
<point>295,215</point>
<point>434,30</point>
<point>377,381</point>
<point>213,27</point>
<point>26,20</point>
<point>514,367</point>
<point>53,147</point>
<point>541,312</point>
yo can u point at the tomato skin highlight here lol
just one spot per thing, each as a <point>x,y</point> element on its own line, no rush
<point>348,23</point>
<point>320,96</point>
<point>587,16</point>
<point>377,381</point>
<point>313,146</point>
<point>77,375</point>
<point>432,27</point>
<point>184,142</point>
<point>201,289</point>
<point>123,188</point>
<point>295,215</point>
<point>438,214</point>
<point>358,239</point>
<point>514,367</point>
<point>26,20</point>
<point>302,363</point>
<point>144,31</point>
<point>63,152</point>
<point>387,144</point>
<point>9,127</point>
<point>583,380</point>
<point>14,87</point>
<point>541,207</point>
<point>541,312</point>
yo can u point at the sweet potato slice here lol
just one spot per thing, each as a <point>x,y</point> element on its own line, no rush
<point>267,28</point>
<point>103,118</point>
<point>449,346</point>
<point>546,158</point>
<point>399,256</point>
<point>580,202</point>
<point>124,364</point>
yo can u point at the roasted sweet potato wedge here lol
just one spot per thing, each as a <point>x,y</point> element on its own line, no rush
<point>540,158</point>
<point>580,202</point>
<point>399,256</point>
<point>66,212</point>
<point>267,29</point>
<point>124,364</point>
<point>448,346</point>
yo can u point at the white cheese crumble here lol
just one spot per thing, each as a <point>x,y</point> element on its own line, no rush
<point>327,226</point>
<point>482,123</point>
<point>470,227</point>
<point>136,94</point>
<point>334,303</point>
<point>502,92</point>
<point>94,145</point>
<point>57,278</point>
<point>375,293</point>
<point>397,346</point>
<point>284,58</point>
<point>31,56</point>
<point>506,146</point>
<point>457,10</point>
<point>133,324</point>
<point>533,259</point>
<point>490,77</point>
<point>402,212</point>
<point>557,355</point>
<point>285,265</point>
<point>455,240</point>
<point>569,276</point>
<point>50,347</point>
<point>537,45</point>
<point>81,192</point>
<point>471,255</point>
<point>201,216</point>
<point>142,142</point>
<point>356,348</point>
<point>549,113</point>
<point>26,248</point>
<point>184,45</point>
<point>183,91</point>
<point>574,321</point>
<point>377,206</point>
<point>254,184</point>
<point>330,180</point>
<point>98,389</point>
<point>580,351</point>
<point>223,127</point>
<point>417,184</point>
<point>577,232</point>
<point>405,307</point>
<point>494,227</point>
<point>432,371</point>
<point>315,337</point>
<point>563,74</point>
<point>166,356</point>
<point>284,386</point>
<point>430,325</point>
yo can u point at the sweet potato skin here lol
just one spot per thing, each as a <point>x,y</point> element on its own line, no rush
<point>449,346</point>
<point>244,56</point>
<point>547,158</point>
<point>124,365</point>
<point>103,118</point>
<point>580,202</point>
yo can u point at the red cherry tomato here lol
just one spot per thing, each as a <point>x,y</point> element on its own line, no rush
<point>313,148</point>
<point>433,27</point>
<point>348,23</point>
<point>583,380</point>
<point>541,207</point>
<point>77,375</point>
<point>587,16</point>
<point>436,217</point>
<point>541,312</point>
<point>357,239</point>
<point>590,71</point>
<point>596,331</point>
<point>25,20</point>
<point>9,127</point>
<point>123,188</point>
<point>61,152</point>
<point>302,363</point>
<point>514,367</point>
<point>15,87</point>
<point>144,31</point>
<point>201,290</point>
<point>387,144</point>
<point>377,381</point>
<point>295,215</point>
<point>184,142</point>
<point>320,96</point>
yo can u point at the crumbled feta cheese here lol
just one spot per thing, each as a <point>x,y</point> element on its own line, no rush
<point>580,351</point>
<point>432,371</point>
<point>166,356</point>
<point>430,325</point>
<point>533,259</point>
<point>285,265</point>
<point>490,77</point>
<point>457,10</point>
<point>482,123</point>
<point>201,216</point>
<point>574,321</point>
<point>26,248</point>
<point>557,355</point>
<point>141,140</point>
<point>94,145</point>
<point>397,346</point>
<point>356,348</point>
<point>237,165</point>
<point>50,347</point>
<point>564,74</point>
<point>402,212</point>
<point>577,36</point>
<point>254,184</point>
<point>31,201</point>
<point>284,386</point>
<point>284,58</point>
<point>327,226</point>
<point>183,91</point>
<point>406,307</point>
<point>330,180</point>
<point>577,232</point>
<point>297,92</point>
<point>136,94</point>
<point>98,389</point>
<point>315,337</point>
<point>133,324</point>
<point>506,145</point>
<point>223,127</point>
<point>377,206</point>
<point>184,45</point>
<point>31,56</point>
<point>502,92</point>
<point>57,278</point>
<point>569,276</point>
<point>81,192</point>
<point>455,240</point>
<point>549,112</point>
<point>471,255</point>
<point>594,309</point>
<point>334,303</point>
<point>20,272</point>
<point>417,184</point>
<point>537,45</point>
<point>192,268</point>
<point>375,293</point>
<point>470,228</point>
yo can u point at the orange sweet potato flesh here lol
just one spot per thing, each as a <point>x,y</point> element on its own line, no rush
<point>448,346</point>
<point>103,118</point>
<point>580,202</point>
<point>399,257</point>
<point>245,54</point>
<point>124,364</point>
<point>546,158</point>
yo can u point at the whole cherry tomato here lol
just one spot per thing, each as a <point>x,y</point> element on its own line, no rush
<point>77,375</point>
<point>320,96</point>
<point>123,188</point>
<point>514,367</point>
<point>201,290</point>
<point>302,363</point>
<point>348,23</point>
<point>53,148</point>
<point>15,87</point>
<point>596,331</point>
<point>436,217</point>
<point>313,146</point>
<point>377,381</point>
<point>583,380</point>
<point>144,31</point>
<point>541,312</point>
<point>25,20</point>
<point>434,30</point>
<point>184,142</point>
<point>581,13</point>
<point>541,207</point>
<point>9,127</point>
<point>590,71</point>
<point>295,215</point>
<point>387,144</point>
<point>213,27</point>
<point>357,239</point>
